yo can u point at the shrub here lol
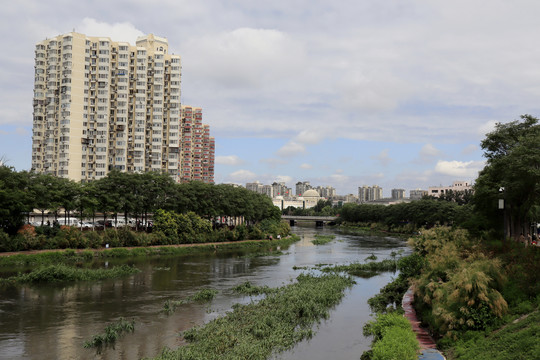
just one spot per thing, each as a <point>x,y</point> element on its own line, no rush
<point>241,232</point>
<point>93,239</point>
<point>110,236</point>
<point>70,237</point>
<point>459,286</point>
<point>6,243</point>
<point>128,237</point>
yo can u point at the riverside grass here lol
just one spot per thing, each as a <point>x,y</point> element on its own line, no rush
<point>274,324</point>
<point>64,273</point>
<point>71,256</point>
<point>515,341</point>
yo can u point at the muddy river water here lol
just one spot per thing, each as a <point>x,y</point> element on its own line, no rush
<point>53,322</point>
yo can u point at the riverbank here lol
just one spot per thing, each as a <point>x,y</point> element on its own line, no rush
<point>73,255</point>
<point>428,347</point>
<point>69,314</point>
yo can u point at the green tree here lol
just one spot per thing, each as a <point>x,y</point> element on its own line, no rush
<point>14,199</point>
<point>512,171</point>
<point>40,189</point>
<point>69,191</point>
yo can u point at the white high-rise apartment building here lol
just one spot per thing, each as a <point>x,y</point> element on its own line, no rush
<point>101,105</point>
<point>369,193</point>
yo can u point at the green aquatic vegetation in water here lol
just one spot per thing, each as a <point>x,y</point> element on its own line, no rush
<point>64,273</point>
<point>112,333</point>
<point>204,295</point>
<point>371,257</point>
<point>323,239</point>
<point>248,288</point>
<point>274,324</point>
<point>364,270</point>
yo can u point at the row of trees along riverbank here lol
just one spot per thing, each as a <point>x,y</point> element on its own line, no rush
<point>123,194</point>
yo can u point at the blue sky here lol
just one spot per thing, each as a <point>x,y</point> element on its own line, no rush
<point>397,93</point>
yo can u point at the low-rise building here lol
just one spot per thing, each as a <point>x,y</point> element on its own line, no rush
<point>457,186</point>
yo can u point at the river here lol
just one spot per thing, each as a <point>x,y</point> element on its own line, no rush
<point>53,322</point>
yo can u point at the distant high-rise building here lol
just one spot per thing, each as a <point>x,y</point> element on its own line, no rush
<point>326,192</point>
<point>101,105</point>
<point>398,194</point>
<point>302,187</point>
<point>260,188</point>
<point>198,146</point>
<point>417,194</point>
<point>369,193</point>
<point>254,186</point>
<point>280,189</point>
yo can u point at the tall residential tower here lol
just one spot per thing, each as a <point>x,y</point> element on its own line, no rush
<point>101,105</point>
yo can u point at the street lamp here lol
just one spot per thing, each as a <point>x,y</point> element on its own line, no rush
<point>501,207</point>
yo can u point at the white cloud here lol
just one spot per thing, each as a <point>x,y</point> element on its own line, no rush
<point>429,150</point>
<point>245,57</point>
<point>284,178</point>
<point>242,176</point>
<point>292,148</point>
<point>124,31</point>
<point>306,166</point>
<point>427,154</point>
<point>383,157</point>
<point>467,169</point>
<point>310,136</point>
<point>231,160</point>
<point>486,127</point>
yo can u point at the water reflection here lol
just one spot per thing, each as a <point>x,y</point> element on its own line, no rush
<point>52,322</point>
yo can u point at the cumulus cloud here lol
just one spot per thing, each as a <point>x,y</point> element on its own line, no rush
<point>427,154</point>
<point>242,176</point>
<point>231,160</point>
<point>245,57</point>
<point>467,169</point>
<point>124,31</point>
<point>283,178</point>
<point>290,149</point>
<point>310,136</point>
<point>429,150</point>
